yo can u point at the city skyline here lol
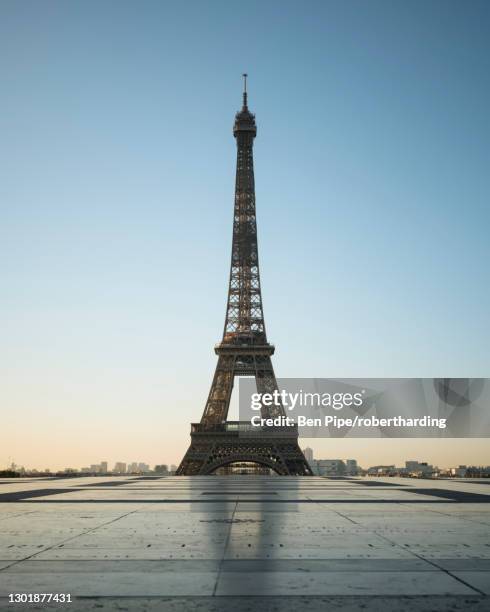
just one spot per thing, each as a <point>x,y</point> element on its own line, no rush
<point>133,467</point>
<point>117,226</point>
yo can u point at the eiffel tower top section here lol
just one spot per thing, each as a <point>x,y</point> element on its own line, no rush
<point>244,119</point>
<point>244,323</point>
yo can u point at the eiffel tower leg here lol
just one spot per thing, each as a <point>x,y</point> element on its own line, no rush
<point>196,457</point>
<point>266,382</point>
<point>288,451</point>
<point>215,413</point>
<point>218,401</point>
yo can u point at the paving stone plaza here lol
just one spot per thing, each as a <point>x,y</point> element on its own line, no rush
<point>247,543</point>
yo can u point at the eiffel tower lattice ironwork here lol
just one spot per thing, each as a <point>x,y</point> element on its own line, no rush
<point>244,349</point>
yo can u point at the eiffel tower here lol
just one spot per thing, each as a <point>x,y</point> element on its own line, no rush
<point>244,349</point>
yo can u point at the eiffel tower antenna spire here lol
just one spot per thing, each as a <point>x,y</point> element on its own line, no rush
<point>245,75</point>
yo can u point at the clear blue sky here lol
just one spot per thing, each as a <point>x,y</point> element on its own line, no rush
<point>116,193</point>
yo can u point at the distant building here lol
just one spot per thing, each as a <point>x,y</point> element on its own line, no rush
<point>120,468</point>
<point>478,471</point>
<point>328,467</point>
<point>382,470</point>
<point>414,468</point>
<point>351,467</point>
<point>95,468</point>
<point>161,469</point>
<point>459,472</point>
<point>143,467</point>
<point>132,468</point>
<point>308,453</point>
<point>104,467</point>
<point>173,469</point>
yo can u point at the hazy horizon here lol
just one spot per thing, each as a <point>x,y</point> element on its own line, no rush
<point>441,453</point>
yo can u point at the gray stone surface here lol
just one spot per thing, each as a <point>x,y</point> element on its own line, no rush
<point>247,543</point>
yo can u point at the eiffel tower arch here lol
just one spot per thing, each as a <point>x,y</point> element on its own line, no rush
<point>244,349</point>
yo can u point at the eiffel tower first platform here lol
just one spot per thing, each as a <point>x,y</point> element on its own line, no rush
<point>244,350</point>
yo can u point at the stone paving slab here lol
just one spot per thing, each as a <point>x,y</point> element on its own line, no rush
<point>109,566</point>
<point>134,584</point>
<point>5,563</point>
<point>141,582</point>
<point>341,583</point>
<point>479,580</point>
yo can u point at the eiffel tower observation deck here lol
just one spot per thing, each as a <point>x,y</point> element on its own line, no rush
<point>244,350</point>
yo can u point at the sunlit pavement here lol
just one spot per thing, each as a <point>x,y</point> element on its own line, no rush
<point>247,543</point>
